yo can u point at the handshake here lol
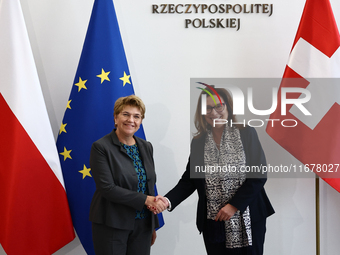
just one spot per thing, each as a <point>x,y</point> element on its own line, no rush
<point>156,204</point>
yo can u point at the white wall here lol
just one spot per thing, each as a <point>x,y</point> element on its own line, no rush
<point>162,57</point>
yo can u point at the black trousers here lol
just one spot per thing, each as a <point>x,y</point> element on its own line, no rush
<point>113,241</point>
<point>258,230</point>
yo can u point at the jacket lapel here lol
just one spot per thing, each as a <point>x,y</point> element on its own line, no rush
<point>116,141</point>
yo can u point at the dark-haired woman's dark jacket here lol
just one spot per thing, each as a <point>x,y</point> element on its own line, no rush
<point>251,193</point>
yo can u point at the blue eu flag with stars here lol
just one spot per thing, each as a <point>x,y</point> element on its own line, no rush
<point>101,78</point>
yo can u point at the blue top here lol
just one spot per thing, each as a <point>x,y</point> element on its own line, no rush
<point>133,153</point>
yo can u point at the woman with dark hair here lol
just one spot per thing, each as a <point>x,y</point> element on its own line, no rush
<point>233,205</point>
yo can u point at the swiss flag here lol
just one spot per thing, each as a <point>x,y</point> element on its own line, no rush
<point>34,213</point>
<point>315,140</point>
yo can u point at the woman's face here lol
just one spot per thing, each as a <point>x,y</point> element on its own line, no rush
<point>223,114</point>
<point>128,120</point>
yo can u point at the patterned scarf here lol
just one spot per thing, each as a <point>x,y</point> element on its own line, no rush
<point>222,182</point>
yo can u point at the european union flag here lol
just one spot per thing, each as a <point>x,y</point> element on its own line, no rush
<point>102,77</point>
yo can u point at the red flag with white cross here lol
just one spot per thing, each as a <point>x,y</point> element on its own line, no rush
<point>314,62</point>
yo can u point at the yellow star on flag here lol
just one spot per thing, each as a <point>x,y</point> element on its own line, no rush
<point>66,153</point>
<point>125,79</point>
<point>81,84</point>
<point>85,172</point>
<point>62,128</point>
<point>103,76</point>
<point>68,106</point>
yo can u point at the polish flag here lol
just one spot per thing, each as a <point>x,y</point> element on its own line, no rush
<point>315,63</point>
<point>34,213</point>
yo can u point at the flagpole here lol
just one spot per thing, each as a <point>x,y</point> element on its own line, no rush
<point>317,214</point>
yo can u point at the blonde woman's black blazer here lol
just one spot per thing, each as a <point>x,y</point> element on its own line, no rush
<point>116,199</point>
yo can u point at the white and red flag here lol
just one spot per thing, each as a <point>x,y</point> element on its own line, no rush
<point>315,63</point>
<point>34,213</point>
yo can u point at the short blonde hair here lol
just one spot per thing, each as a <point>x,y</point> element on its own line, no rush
<point>131,100</point>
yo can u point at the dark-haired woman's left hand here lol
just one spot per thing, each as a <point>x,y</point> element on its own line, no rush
<point>226,213</point>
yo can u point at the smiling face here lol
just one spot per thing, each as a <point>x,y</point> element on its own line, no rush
<point>128,121</point>
<point>215,114</point>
